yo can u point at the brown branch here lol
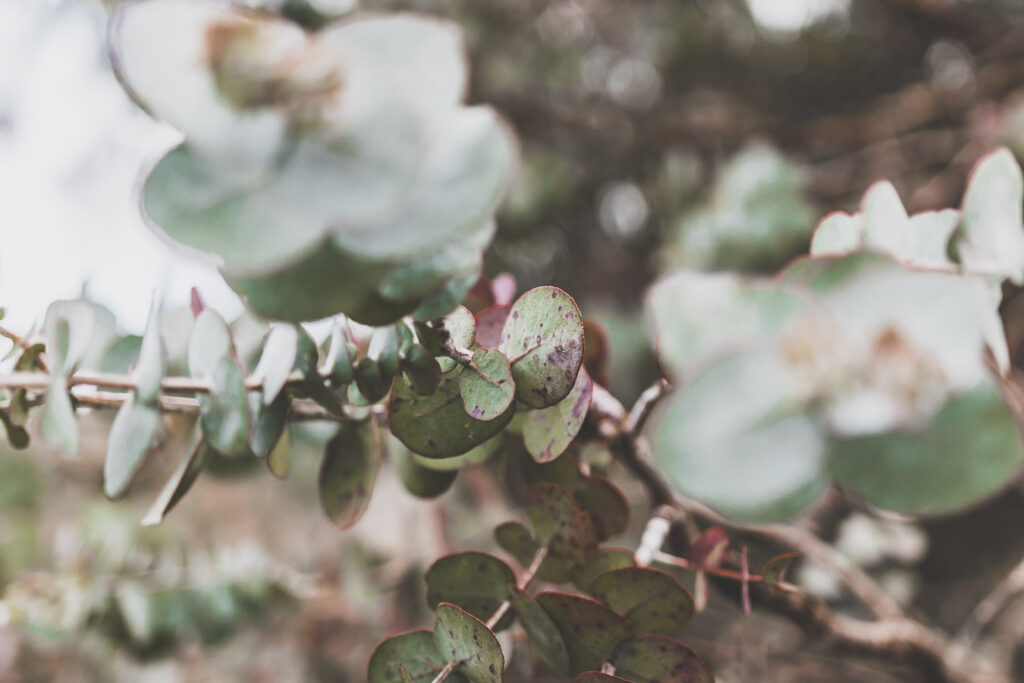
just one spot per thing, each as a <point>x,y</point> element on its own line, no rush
<point>521,583</point>
<point>985,611</point>
<point>893,634</point>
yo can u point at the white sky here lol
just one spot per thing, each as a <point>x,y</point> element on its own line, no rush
<point>71,149</point>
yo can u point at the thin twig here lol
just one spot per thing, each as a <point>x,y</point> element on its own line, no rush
<point>521,583</point>
<point>893,634</point>
<point>644,406</point>
<point>1011,585</point>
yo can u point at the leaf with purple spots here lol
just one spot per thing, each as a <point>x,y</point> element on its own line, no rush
<point>556,516</point>
<point>415,652</point>
<point>543,339</point>
<point>437,426</point>
<point>654,659</point>
<point>591,631</point>
<point>601,498</point>
<point>348,472</point>
<point>653,601</point>
<point>476,582</point>
<point>548,432</point>
<point>465,640</point>
<point>486,385</point>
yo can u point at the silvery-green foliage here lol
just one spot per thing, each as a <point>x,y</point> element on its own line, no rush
<point>329,172</point>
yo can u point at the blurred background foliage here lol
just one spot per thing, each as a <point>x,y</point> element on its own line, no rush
<point>655,133</point>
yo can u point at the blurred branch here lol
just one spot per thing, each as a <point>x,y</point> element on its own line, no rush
<point>301,411</point>
<point>1009,587</point>
<point>893,634</point>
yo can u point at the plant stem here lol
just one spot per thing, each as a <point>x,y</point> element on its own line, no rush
<point>522,582</point>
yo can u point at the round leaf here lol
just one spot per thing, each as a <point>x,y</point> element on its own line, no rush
<point>416,651</point>
<point>543,339</point>
<point>485,385</point>
<point>464,639</point>
<point>653,601</point>
<point>548,432</point>
<point>590,630</point>
<point>969,451</point>
<point>476,582</point>
<point>752,458</point>
<point>653,658</point>
<point>437,426</point>
<point>418,480</point>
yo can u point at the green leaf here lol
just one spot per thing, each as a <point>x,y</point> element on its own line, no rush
<point>556,516</point>
<point>607,559</point>
<point>603,500</point>
<point>755,459</point>
<point>421,370</point>
<point>225,410</point>
<point>543,339</point>
<point>651,600</point>
<point>323,284</point>
<point>991,238</point>
<point>474,155</point>
<point>968,452</point>
<point>269,427</point>
<point>548,432</point>
<point>591,631</point>
<point>372,383</point>
<point>279,459</point>
<point>476,582</point>
<point>420,481</point>
<point>437,426</point>
<point>540,629</point>
<point>654,659</point>
<point>516,540</point>
<point>697,316</point>
<point>277,360</point>
<point>152,364</point>
<point>348,472</point>
<point>486,385</point>
<point>340,361</point>
<point>58,426</point>
<point>416,651</point>
<point>181,480</point>
<point>68,327</point>
<point>383,350</point>
<point>17,437</point>
<point>209,343</point>
<point>774,570</point>
<point>464,639</point>
<point>460,326</point>
<point>132,434</point>
<point>474,456</point>
<point>597,677</point>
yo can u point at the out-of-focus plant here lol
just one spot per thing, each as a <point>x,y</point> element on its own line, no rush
<point>756,217</point>
<point>876,362</point>
<point>337,173</point>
